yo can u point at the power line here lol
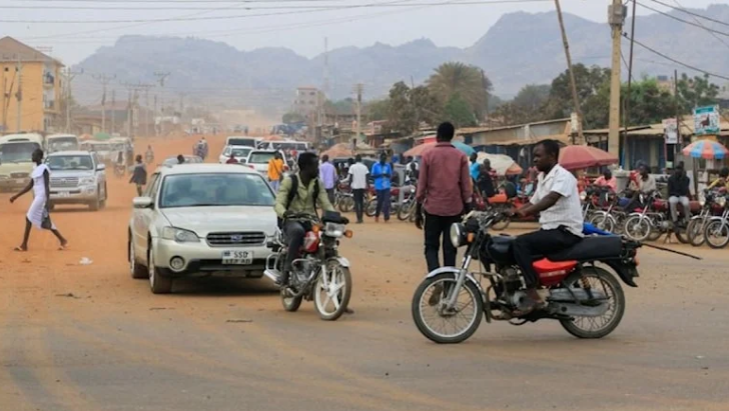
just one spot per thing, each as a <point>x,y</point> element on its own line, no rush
<point>683,10</point>
<point>117,8</point>
<point>682,20</point>
<point>688,66</point>
<point>721,40</point>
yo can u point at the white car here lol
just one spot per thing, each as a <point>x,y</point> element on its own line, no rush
<point>201,220</point>
<point>77,177</point>
<point>258,160</point>
<point>239,152</point>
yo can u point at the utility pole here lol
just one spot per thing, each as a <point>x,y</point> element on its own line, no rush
<point>161,77</point>
<point>113,110</point>
<point>573,85</point>
<point>70,75</point>
<point>104,80</point>
<point>19,95</point>
<point>679,141</point>
<point>626,114</point>
<point>135,88</point>
<point>358,88</point>
<point>616,18</point>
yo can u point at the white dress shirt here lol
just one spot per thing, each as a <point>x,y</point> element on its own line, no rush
<point>567,211</point>
<point>358,173</point>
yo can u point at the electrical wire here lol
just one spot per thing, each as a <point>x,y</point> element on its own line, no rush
<point>721,40</point>
<point>682,20</point>
<point>683,10</point>
<point>681,63</point>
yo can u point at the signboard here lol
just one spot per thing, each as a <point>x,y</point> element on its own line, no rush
<point>670,131</point>
<point>706,120</point>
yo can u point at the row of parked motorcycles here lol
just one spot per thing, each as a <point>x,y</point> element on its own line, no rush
<point>642,217</point>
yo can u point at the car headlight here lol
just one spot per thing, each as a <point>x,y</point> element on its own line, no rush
<point>3,177</point>
<point>334,230</point>
<point>458,235</point>
<point>179,235</point>
<point>86,181</point>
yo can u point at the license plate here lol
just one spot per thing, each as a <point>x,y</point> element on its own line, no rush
<point>64,194</point>
<point>20,181</point>
<point>237,257</point>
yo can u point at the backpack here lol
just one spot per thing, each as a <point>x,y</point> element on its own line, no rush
<point>294,191</point>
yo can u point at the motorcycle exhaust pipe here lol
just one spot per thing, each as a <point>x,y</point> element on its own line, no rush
<point>272,274</point>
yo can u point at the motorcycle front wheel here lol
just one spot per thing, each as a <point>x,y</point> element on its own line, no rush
<point>405,211</point>
<point>371,207</point>
<point>604,222</point>
<point>717,234</point>
<point>638,228</point>
<point>603,281</point>
<point>346,204</point>
<point>289,302</point>
<point>332,291</point>
<point>695,232</point>
<point>440,324</point>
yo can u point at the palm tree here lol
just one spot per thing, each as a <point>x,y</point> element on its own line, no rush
<point>457,78</point>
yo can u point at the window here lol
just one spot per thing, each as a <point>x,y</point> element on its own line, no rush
<point>261,157</point>
<point>58,163</point>
<point>18,152</point>
<point>215,190</point>
<point>151,189</point>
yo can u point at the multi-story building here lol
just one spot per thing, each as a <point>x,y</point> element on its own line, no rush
<point>307,100</point>
<point>31,85</point>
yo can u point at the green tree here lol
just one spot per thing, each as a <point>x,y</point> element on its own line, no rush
<point>696,92</point>
<point>292,117</point>
<point>458,112</point>
<point>401,116</point>
<point>468,81</point>
<point>377,109</point>
<point>589,81</point>
<point>425,104</point>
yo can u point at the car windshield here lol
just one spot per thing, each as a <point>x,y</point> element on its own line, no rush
<point>261,158</point>
<point>63,143</point>
<point>80,162</point>
<point>215,190</point>
<point>242,142</point>
<point>240,152</point>
<point>17,152</point>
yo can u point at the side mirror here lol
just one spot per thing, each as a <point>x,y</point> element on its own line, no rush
<point>142,202</point>
<point>243,161</point>
<point>100,167</point>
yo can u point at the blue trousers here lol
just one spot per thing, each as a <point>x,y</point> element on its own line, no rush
<point>383,203</point>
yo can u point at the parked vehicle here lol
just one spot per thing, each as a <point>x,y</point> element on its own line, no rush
<point>243,141</point>
<point>320,273</point>
<point>201,220</point>
<point>717,229</point>
<point>586,299</point>
<point>62,142</point>
<point>171,161</point>
<point>77,178</point>
<point>654,220</point>
<point>239,152</point>
<point>343,198</point>
<point>711,205</point>
<point>258,160</point>
<point>15,159</point>
<point>612,218</point>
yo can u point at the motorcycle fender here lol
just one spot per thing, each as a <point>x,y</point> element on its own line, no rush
<point>626,273</point>
<point>342,261</point>
<point>715,219</point>
<point>455,272</point>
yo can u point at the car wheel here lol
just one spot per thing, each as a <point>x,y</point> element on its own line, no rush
<point>138,271</point>
<point>96,204</point>
<point>157,283</point>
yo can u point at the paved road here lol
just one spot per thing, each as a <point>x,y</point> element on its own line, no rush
<point>88,337</point>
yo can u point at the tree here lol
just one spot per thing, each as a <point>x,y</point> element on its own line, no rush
<point>425,104</point>
<point>531,100</point>
<point>378,109</point>
<point>469,82</point>
<point>649,104</point>
<point>589,81</point>
<point>401,116</point>
<point>458,112</point>
<point>292,117</point>
<point>696,92</point>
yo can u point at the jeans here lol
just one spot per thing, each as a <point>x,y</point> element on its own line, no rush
<point>541,242</point>
<point>673,201</point>
<point>359,195</point>
<point>383,203</point>
<point>330,194</point>
<point>275,184</point>
<point>436,227</point>
<point>295,233</point>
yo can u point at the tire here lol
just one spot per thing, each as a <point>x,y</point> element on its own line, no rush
<point>96,204</point>
<point>695,232</point>
<point>638,228</point>
<point>606,279</point>
<point>604,222</point>
<point>102,204</point>
<point>371,208</point>
<point>138,271</point>
<point>157,283</point>
<point>426,330</point>
<point>717,227</point>
<point>290,304</point>
<point>346,204</point>
<point>502,225</point>
<point>403,214</point>
<point>343,293</point>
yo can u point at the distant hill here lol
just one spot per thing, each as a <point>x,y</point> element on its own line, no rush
<point>521,48</point>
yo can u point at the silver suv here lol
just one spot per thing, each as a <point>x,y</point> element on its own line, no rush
<point>77,178</point>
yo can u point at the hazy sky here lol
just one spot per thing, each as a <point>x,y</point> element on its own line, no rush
<point>278,23</point>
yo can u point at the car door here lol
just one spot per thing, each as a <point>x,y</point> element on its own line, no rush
<point>144,218</point>
<point>100,176</point>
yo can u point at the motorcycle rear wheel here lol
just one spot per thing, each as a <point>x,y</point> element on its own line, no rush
<point>638,228</point>
<point>695,232</point>
<point>405,211</point>
<point>337,290</point>
<point>290,303</point>
<point>371,207</point>
<point>428,296</point>
<point>346,204</point>
<point>604,281</point>
<point>717,234</point>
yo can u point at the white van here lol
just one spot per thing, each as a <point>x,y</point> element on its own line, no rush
<point>16,164</point>
<point>62,142</point>
<point>243,141</point>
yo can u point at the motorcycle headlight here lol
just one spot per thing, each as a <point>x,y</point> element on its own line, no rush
<point>179,235</point>
<point>458,235</point>
<point>721,200</point>
<point>583,196</point>
<point>334,230</point>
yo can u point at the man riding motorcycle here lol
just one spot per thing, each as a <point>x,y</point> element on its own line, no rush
<point>300,193</point>
<point>557,202</point>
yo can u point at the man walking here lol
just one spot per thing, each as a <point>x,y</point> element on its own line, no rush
<point>139,176</point>
<point>328,176</point>
<point>444,193</point>
<point>382,174</point>
<point>358,181</point>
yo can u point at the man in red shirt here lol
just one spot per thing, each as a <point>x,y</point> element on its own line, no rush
<point>444,194</point>
<point>232,159</point>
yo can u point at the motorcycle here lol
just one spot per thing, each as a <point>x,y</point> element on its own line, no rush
<point>586,299</point>
<point>712,205</point>
<point>371,204</point>
<point>611,219</point>
<point>319,273</point>
<point>407,210</point>
<point>716,232</point>
<point>654,220</point>
<point>119,170</point>
<point>343,198</point>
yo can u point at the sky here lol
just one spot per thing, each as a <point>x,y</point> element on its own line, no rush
<point>72,30</point>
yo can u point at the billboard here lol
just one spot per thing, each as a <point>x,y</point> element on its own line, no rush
<point>670,131</point>
<point>706,120</point>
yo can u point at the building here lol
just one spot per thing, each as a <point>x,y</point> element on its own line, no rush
<point>31,82</point>
<point>307,100</point>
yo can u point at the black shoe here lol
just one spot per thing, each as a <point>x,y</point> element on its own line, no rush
<point>283,280</point>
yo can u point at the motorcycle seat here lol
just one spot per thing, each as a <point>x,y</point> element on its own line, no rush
<point>590,248</point>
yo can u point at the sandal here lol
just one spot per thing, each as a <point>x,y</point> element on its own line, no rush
<point>20,249</point>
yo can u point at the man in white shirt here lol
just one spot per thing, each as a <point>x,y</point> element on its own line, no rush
<point>557,202</point>
<point>357,177</point>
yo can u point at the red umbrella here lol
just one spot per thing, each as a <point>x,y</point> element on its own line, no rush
<point>578,157</point>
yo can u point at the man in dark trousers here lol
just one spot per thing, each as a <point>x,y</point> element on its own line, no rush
<point>444,194</point>
<point>139,176</point>
<point>678,192</point>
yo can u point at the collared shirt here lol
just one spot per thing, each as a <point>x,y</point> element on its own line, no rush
<point>445,182</point>
<point>275,169</point>
<point>382,182</point>
<point>567,211</point>
<point>303,201</point>
<point>328,175</point>
<point>475,170</point>
<point>612,183</point>
<point>358,173</point>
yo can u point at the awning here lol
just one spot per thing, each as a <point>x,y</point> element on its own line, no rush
<point>562,138</point>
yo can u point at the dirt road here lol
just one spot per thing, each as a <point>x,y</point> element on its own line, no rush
<point>87,337</point>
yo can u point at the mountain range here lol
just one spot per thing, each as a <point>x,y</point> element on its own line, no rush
<point>521,48</point>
